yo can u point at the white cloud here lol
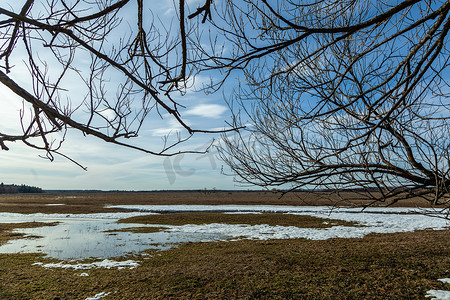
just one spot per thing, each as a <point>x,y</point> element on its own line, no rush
<point>207,110</point>
<point>197,83</point>
<point>173,127</point>
<point>10,116</point>
<point>166,131</point>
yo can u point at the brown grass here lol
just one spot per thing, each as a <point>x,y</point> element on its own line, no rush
<point>95,202</point>
<point>379,266</point>
<point>271,219</point>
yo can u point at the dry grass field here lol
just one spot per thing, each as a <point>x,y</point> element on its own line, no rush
<point>388,266</point>
<point>95,202</point>
<point>378,266</point>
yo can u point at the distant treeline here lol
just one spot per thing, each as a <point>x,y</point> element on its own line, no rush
<point>16,189</point>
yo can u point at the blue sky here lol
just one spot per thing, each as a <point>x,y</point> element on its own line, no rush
<point>112,167</point>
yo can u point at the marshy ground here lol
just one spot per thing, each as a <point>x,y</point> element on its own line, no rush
<point>378,266</point>
<point>95,202</point>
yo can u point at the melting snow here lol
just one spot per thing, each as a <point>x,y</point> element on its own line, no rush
<point>263,208</point>
<point>98,296</point>
<point>79,236</point>
<point>438,294</point>
<point>106,263</point>
<point>41,217</point>
<point>371,220</point>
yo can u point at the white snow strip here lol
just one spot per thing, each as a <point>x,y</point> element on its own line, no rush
<point>98,296</point>
<point>438,294</point>
<point>271,208</point>
<point>106,263</point>
<point>54,204</point>
<point>263,208</point>
<point>266,232</point>
<point>139,210</point>
<point>83,275</point>
<point>369,222</point>
<point>242,213</point>
<point>17,217</point>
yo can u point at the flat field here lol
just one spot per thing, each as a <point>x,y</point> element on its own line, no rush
<point>95,202</point>
<point>378,266</point>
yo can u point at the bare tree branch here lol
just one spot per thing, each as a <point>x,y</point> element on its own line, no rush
<point>340,95</point>
<point>149,62</point>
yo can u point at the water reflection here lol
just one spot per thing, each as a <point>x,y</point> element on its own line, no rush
<point>83,236</point>
<point>80,238</point>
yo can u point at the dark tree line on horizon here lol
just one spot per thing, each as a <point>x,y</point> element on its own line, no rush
<point>18,189</point>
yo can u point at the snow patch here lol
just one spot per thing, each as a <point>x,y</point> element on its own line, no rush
<point>98,296</point>
<point>106,263</point>
<point>42,217</point>
<point>266,209</point>
<point>91,229</point>
<point>372,220</point>
<point>242,213</point>
<point>438,294</point>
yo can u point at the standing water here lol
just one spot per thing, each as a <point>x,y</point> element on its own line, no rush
<point>89,235</point>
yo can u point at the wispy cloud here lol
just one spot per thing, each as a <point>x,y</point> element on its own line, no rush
<point>173,127</point>
<point>207,110</point>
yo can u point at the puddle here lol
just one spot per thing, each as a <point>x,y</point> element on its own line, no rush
<point>79,238</point>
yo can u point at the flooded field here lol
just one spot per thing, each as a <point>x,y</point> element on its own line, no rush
<point>91,236</point>
<point>145,246</point>
<point>100,235</point>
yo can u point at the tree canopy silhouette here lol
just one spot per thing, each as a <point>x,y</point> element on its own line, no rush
<point>341,95</point>
<point>333,94</point>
